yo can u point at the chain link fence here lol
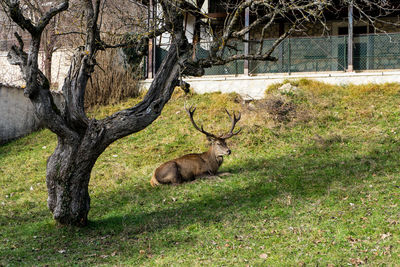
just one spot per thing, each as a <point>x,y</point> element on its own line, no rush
<point>231,68</point>
<point>303,55</point>
<point>308,54</point>
<point>377,52</point>
<point>300,54</point>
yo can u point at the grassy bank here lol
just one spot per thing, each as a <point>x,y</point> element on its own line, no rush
<point>315,180</point>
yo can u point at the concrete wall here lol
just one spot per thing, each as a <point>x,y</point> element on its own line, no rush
<point>17,116</point>
<point>253,87</point>
<point>16,111</point>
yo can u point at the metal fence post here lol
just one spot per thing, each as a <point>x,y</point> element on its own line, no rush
<point>282,56</point>
<point>289,56</point>
<point>350,65</point>
<point>345,56</point>
<point>246,43</point>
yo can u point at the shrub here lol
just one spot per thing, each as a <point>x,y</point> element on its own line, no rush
<point>111,82</point>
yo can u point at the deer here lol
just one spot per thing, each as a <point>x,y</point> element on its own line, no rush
<point>197,165</point>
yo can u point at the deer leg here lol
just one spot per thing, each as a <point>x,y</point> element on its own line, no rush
<point>208,176</point>
<point>212,176</point>
<point>223,174</point>
<point>170,178</point>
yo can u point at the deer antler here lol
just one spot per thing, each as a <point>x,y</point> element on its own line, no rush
<point>191,111</point>
<point>234,121</point>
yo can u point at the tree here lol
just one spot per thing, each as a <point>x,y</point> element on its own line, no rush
<point>81,140</point>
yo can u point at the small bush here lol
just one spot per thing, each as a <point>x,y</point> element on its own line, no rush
<point>273,88</point>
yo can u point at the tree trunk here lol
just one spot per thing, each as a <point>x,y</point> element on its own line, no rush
<point>67,185</point>
<point>68,175</point>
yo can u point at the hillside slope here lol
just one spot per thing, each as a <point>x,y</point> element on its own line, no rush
<point>315,180</point>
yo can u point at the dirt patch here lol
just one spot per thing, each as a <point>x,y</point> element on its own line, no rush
<point>279,108</point>
<point>276,110</point>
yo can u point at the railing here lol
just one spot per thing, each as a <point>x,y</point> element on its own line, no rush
<point>311,54</point>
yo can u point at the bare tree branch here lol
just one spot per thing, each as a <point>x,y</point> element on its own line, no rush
<point>16,15</point>
<point>50,14</point>
<point>222,61</point>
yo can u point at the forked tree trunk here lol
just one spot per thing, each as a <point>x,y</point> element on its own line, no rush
<point>68,175</point>
<point>69,167</point>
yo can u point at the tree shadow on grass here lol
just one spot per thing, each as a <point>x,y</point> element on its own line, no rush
<point>306,173</point>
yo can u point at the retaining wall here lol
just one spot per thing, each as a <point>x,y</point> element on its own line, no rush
<point>17,117</point>
<point>254,87</point>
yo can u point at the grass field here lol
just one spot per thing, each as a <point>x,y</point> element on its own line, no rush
<point>315,181</point>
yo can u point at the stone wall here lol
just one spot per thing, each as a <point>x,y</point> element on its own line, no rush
<point>17,116</point>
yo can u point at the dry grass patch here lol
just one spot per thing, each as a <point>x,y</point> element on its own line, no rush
<point>111,82</point>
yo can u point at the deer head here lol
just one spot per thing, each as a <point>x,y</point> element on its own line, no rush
<point>218,143</point>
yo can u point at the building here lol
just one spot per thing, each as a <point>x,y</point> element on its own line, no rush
<point>348,50</point>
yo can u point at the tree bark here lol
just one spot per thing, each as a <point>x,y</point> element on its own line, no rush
<point>68,175</point>
<point>67,183</point>
<point>69,167</point>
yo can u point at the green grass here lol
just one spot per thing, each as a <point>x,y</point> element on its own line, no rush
<point>322,188</point>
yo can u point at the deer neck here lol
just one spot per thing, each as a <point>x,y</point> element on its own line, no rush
<point>214,160</point>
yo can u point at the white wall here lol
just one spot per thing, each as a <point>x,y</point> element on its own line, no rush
<point>17,113</point>
<point>11,75</point>
<point>255,86</point>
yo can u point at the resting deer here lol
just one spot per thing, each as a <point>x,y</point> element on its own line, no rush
<point>192,166</point>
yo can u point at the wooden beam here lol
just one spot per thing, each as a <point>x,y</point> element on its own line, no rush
<point>217,15</point>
